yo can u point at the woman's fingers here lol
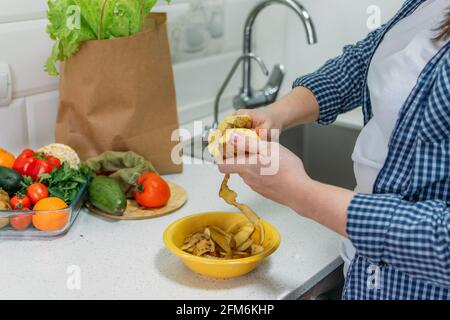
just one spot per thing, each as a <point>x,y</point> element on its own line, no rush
<point>239,164</point>
<point>249,144</point>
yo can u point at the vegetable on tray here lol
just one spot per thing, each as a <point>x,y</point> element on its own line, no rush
<point>4,205</point>
<point>36,192</point>
<point>63,153</point>
<point>4,200</point>
<point>22,221</point>
<point>6,159</point>
<point>20,202</point>
<point>152,191</point>
<point>66,182</point>
<point>48,215</point>
<point>10,180</point>
<point>47,182</point>
<point>105,194</point>
<point>34,164</point>
<point>124,167</point>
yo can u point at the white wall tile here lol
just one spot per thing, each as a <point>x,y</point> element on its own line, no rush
<point>279,38</point>
<point>235,15</point>
<point>26,46</point>
<point>13,126</point>
<point>42,110</point>
<point>338,22</point>
<point>19,10</point>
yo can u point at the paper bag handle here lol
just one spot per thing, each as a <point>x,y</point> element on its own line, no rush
<point>102,15</point>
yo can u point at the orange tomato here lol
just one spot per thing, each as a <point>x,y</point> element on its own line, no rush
<point>47,218</point>
<point>6,159</point>
<point>151,191</point>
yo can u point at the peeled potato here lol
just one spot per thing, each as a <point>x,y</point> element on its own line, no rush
<point>219,140</point>
<point>235,121</point>
<point>220,145</point>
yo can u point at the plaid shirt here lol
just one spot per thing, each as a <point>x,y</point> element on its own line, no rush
<point>401,232</point>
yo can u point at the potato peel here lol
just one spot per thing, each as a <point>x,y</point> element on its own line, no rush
<point>230,197</point>
<point>256,249</point>
<point>204,246</point>
<point>247,244</point>
<point>215,243</point>
<point>221,240</point>
<point>244,234</point>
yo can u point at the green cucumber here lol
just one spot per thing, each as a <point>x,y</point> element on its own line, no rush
<point>10,180</point>
<point>105,194</point>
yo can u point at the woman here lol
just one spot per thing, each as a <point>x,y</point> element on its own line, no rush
<point>398,219</point>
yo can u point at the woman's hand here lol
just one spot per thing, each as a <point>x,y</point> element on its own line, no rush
<point>270,169</point>
<point>263,118</point>
<point>279,175</point>
<point>298,107</point>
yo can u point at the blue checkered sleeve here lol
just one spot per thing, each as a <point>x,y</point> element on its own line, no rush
<point>339,85</point>
<point>413,237</point>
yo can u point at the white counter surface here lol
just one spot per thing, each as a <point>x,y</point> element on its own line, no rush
<point>128,260</point>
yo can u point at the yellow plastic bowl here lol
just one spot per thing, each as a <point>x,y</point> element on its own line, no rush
<point>224,268</point>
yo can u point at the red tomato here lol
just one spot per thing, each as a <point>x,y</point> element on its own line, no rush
<point>33,164</point>
<point>22,221</point>
<point>151,191</point>
<point>54,162</point>
<point>19,202</point>
<point>36,192</point>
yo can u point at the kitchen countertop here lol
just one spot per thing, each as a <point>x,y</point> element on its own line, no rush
<point>128,260</point>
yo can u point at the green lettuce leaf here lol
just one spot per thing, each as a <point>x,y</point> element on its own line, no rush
<point>121,18</point>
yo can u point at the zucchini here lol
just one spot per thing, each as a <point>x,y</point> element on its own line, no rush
<point>105,194</point>
<point>10,180</point>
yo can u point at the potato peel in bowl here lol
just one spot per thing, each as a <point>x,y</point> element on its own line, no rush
<point>243,239</point>
<point>215,243</point>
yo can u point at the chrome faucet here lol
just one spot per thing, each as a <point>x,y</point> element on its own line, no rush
<point>248,97</point>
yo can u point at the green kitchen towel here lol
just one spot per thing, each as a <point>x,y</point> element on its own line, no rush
<point>124,167</point>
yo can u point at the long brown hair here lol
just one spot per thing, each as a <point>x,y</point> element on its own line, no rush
<point>444,29</point>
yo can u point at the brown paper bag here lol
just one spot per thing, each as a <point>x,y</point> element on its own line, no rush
<point>120,95</point>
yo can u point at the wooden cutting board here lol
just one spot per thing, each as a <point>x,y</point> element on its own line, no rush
<point>134,211</point>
